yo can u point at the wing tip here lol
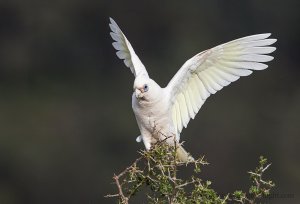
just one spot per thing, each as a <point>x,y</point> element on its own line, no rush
<point>260,36</point>
<point>112,21</point>
<point>273,49</point>
<point>264,35</point>
<point>263,67</point>
<point>270,58</point>
<point>114,26</point>
<point>267,35</point>
<point>111,35</point>
<point>272,40</point>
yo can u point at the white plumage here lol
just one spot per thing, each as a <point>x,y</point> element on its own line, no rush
<point>163,112</point>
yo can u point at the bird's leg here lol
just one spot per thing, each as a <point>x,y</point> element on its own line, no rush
<point>147,142</point>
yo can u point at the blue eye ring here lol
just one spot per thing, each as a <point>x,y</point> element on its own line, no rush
<point>146,88</point>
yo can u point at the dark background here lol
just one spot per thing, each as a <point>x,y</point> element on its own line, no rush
<point>66,123</point>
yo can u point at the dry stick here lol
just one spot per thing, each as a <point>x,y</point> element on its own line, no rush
<point>117,182</point>
<point>123,198</point>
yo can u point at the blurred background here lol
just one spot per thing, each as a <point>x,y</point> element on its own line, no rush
<point>66,123</point>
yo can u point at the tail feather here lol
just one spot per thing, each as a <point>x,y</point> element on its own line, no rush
<point>183,155</point>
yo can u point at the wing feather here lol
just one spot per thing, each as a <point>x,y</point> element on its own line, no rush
<point>211,70</point>
<point>183,110</point>
<point>189,104</point>
<point>125,50</point>
<point>178,117</point>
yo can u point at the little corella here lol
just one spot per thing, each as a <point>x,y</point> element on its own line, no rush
<point>161,113</point>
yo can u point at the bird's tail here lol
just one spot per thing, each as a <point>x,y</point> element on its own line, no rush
<point>183,155</point>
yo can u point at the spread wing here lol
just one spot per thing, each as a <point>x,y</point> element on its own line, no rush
<point>125,50</point>
<point>211,70</point>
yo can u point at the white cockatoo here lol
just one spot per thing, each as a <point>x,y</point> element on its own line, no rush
<point>161,113</point>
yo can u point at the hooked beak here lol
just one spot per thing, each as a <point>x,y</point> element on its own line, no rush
<point>138,94</point>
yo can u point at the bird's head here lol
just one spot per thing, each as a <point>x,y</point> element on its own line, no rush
<point>145,89</point>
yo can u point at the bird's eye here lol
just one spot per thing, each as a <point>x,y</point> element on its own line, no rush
<point>146,88</point>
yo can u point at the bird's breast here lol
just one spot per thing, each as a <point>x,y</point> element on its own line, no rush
<point>154,118</point>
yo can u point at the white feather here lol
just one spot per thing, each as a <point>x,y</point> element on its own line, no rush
<point>218,67</point>
<point>127,53</point>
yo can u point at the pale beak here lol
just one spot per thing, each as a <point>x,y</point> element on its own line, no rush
<point>138,94</point>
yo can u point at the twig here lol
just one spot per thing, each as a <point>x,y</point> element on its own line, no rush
<point>121,194</point>
<point>116,178</point>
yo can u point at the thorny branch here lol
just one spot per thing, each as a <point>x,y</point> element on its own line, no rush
<point>259,188</point>
<point>116,178</point>
<point>157,169</point>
